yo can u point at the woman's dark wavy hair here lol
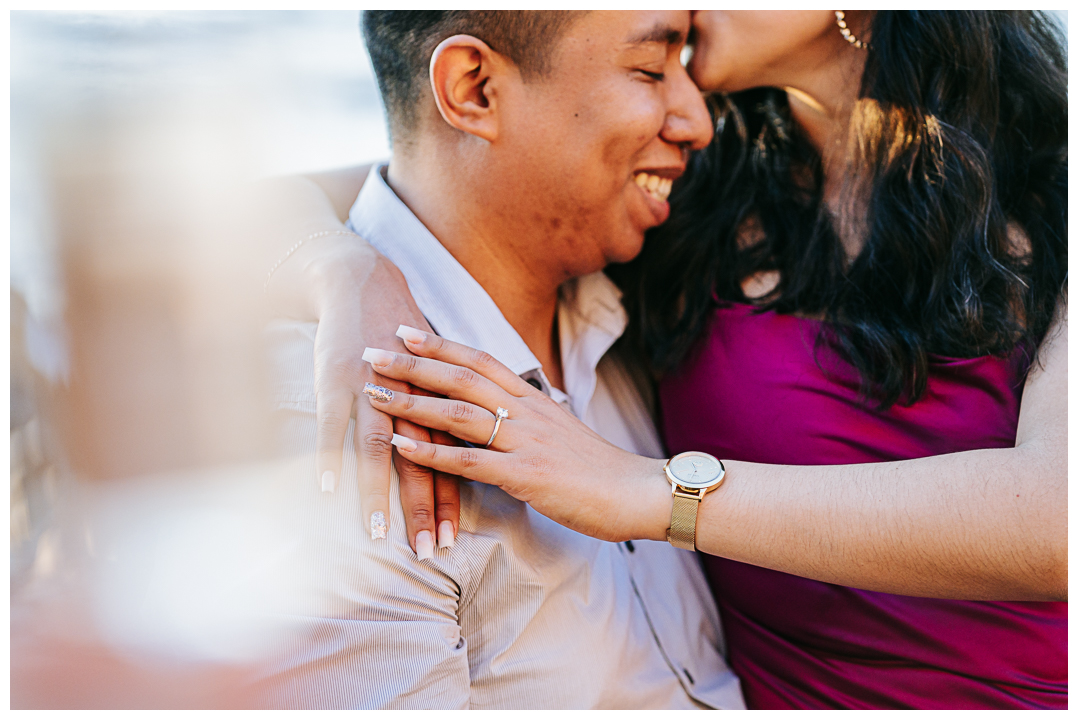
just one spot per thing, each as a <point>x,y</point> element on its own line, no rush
<point>961,129</point>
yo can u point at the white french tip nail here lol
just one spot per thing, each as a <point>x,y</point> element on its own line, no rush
<point>403,443</point>
<point>425,546</point>
<point>329,482</point>
<point>446,534</point>
<point>377,357</point>
<point>410,335</point>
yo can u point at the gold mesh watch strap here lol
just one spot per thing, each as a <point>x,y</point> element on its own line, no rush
<point>683,521</point>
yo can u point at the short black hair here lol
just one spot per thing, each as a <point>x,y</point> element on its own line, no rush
<point>400,43</point>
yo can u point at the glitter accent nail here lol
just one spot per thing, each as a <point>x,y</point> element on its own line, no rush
<point>378,392</point>
<point>378,525</point>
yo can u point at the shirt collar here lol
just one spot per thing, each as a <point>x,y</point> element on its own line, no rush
<point>591,317</point>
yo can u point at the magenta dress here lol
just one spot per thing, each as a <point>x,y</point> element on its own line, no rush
<point>754,392</point>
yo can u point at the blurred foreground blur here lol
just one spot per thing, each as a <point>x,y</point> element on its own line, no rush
<point>144,487</point>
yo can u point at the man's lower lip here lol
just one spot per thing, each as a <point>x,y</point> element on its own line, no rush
<point>660,209</point>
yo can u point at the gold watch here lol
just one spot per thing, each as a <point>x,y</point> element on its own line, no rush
<point>692,474</point>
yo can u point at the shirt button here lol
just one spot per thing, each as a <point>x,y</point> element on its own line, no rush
<point>630,546</point>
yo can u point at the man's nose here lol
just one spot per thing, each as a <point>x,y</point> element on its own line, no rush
<point>688,122</point>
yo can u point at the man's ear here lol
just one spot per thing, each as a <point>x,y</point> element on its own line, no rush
<point>462,69</point>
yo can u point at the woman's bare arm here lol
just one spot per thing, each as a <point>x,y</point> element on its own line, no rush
<point>982,525</point>
<point>294,208</point>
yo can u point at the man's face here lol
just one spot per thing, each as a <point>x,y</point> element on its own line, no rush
<point>596,144</point>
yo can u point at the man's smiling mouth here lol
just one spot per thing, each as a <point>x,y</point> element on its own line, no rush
<point>656,186</point>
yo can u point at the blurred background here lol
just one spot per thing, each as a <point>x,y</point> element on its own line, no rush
<point>142,469</point>
<point>141,465</point>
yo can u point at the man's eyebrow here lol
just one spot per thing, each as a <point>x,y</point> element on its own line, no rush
<point>658,33</point>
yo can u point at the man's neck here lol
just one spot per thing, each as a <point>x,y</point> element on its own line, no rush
<point>522,286</point>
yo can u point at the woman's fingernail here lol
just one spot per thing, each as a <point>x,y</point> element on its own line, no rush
<point>425,547</point>
<point>329,482</point>
<point>446,534</point>
<point>410,335</point>
<point>378,392</point>
<point>378,525</point>
<point>402,443</point>
<point>377,357</point>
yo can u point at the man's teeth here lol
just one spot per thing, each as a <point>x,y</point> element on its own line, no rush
<point>655,185</point>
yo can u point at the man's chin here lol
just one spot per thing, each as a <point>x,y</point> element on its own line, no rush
<point>627,250</point>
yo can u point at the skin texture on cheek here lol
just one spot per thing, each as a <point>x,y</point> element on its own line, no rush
<point>740,49</point>
<point>595,120</point>
<point>636,116</point>
<point>583,174</point>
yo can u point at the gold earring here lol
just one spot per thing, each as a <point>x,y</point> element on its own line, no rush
<point>840,23</point>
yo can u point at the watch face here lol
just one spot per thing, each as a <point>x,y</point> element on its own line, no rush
<point>696,469</point>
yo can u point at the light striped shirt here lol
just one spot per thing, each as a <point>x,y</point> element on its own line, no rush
<point>521,612</point>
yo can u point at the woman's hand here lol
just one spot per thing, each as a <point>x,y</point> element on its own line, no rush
<point>362,296</point>
<point>541,454</point>
<point>358,298</point>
